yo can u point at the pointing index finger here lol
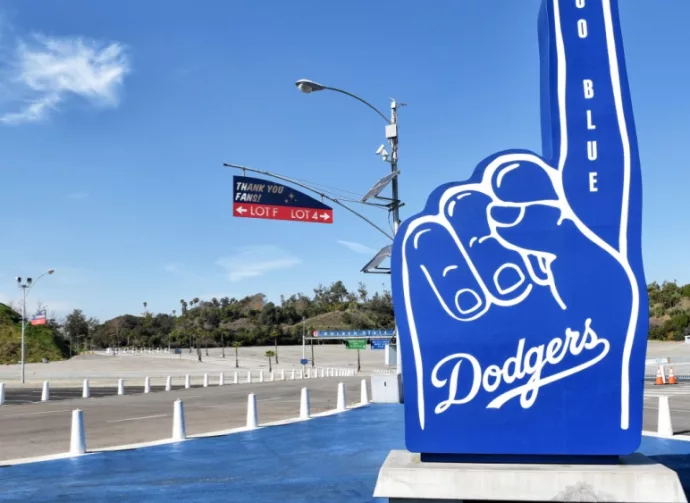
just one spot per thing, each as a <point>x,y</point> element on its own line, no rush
<point>588,129</point>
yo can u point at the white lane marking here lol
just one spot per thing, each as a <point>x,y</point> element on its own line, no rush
<point>136,418</point>
<point>672,409</point>
<point>37,413</point>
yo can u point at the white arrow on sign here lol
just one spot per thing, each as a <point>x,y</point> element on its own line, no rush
<point>325,216</point>
<point>241,210</point>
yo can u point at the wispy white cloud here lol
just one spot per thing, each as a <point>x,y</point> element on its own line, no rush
<point>172,267</point>
<point>44,71</point>
<point>253,261</point>
<point>78,195</point>
<point>357,247</point>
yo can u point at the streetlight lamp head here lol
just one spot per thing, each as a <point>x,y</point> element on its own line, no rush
<point>308,86</point>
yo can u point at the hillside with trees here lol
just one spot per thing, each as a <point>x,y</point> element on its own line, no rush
<point>41,341</point>
<point>252,321</point>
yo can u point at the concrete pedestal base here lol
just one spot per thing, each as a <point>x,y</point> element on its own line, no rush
<point>404,478</point>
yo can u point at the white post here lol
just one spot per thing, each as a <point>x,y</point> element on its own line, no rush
<point>236,378</point>
<point>179,430</point>
<point>252,412</point>
<point>341,397</point>
<point>120,386</point>
<point>147,385</point>
<point>2,393</point>
<point>364,400</point>
<point>272,377</point>
<point>168,384</point>
<point>323,372</point>
<point>307,373</point>
<point>292,374</point>
<point>205,380</point>
<point>282,374</point>
<point>304,412</point>
<point>86,392</point>
<point>301,374</point>
<point>249,376</point>
<point>45,394</point>
<point>187,382</point>
<point>664,425</point>
<point>77,444</point>
<point>221,379</point>
<point>261,376</point>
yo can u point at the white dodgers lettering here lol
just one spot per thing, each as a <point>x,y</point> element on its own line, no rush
<point>516,368</point>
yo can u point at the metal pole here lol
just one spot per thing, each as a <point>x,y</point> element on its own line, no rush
<point>395,207</point>
<point>23,327</point>
<point>312,352</point>
<point>304,341</point>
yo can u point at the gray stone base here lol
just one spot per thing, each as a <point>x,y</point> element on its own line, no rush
<point>404,478</point>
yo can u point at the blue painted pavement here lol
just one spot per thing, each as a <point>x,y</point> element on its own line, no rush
<point>332,459</point>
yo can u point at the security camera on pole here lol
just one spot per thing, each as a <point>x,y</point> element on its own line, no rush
<point>26,287</point>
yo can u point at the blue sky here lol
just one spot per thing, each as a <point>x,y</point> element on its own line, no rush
<point>116,118</point>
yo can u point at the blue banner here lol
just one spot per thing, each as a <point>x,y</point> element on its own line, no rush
<point>354,333</point>
<point>519,293</point>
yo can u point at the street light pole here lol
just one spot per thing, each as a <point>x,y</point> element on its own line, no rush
<point>26,288</point>
<point>309,86</point>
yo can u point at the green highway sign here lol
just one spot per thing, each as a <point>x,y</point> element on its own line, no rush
<point>357,344</point>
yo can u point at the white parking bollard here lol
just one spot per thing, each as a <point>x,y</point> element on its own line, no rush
<point>364,397</point>
<point>147,385</point>
<point>187,382</point>
<point>249,376</point>
<point>2,393</point>
<point>221,379</point>
<point>205,380</point>
<point>301,374</point>
<point>341,397</point>
<point>282,374</point>
<point>85,392</point>
<point>168,384</point>
<point>252,412</point>
<point>272,377</point>
<point>261,376</point>
<point>77,444</point>
<point>120,386</point>
<point>292,374</point>
<point>664,425</point>
<point>236,379</point>
<point>304,412</point>
<point>307,373</point>
<point>45,394</point>
<point>179,430</point>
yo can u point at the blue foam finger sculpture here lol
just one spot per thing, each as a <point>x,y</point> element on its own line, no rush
<point>519,294</point>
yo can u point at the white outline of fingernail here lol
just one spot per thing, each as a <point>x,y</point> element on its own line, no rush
<point>473,308</point>
<point>512,288</point>
<point>504,172</point>
<point>448,269</point>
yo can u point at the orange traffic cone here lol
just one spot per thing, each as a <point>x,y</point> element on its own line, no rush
<point>671,378</point>
<point>659,378</point>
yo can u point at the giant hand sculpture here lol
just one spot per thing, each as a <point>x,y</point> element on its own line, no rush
<point>520,295</point>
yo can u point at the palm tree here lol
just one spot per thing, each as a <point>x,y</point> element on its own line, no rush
<point>236,345</point>
<point>269,354</point>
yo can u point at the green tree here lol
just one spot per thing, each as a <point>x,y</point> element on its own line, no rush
<point>236,345</point>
